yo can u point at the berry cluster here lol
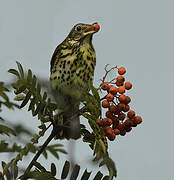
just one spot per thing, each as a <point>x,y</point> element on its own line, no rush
<point>119,118</point>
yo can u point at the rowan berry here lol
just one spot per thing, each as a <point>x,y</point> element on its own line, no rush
<point>107,130</point>
<point>131,114</point>
<point>122,98</point>
<point>109,97</point>
<point>121,70</point>
<point>111,137</point>
<point>121,116</point>
<point>116,131</point>
<point>123,132</point>
<point>113,108</point>
<point>105,86</point>
<point>105,104</point>
<point>99,122</point>
<point>120,106</point>
<point>120,78</point>
<point>113,90</point>
<point>107,121</point>
<point>126,108</point>
<point>128,85</point>
<point>109,114</point>
<point>121,89</point>
<point>128,100</point>
<point>119,83</point>
<point>137,119</point>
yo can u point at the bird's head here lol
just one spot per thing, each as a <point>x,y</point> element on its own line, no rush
<point>80,31</point>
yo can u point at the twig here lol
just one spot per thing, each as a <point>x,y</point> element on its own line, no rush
<point>51,136</point>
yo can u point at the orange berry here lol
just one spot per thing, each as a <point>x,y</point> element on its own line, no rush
<point>128,129</point>
<point>120,127</point>
<point>131,114</point>
<point>116,131</point>
<point>120,106</point>
<point>107,130</point>
<point>105,104</point>
<point>120,78</point>
<point>107,121</point>
<point>109,114</point>
<point>113,90</point>
<point>109,97</point>
<point>121,70</point>
<point>99,122</point>
<point>105,86</point>
<point>128,123</point>
<point>128,85</point>
<point>119,83</point>
<point>126,108</point>
<point>111,137</point>
<point>122,98</point>
<point>121,116</point>
<point>123,132</point>
<point>128,100</point>
<point>113,108</point>
<point>121,89</point>
<point>137,119</point>
<point>115,124</point>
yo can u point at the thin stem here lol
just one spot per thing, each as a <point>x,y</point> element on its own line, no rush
<point>51,136</point>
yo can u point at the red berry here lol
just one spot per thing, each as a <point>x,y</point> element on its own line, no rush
<point>109,114</point>
<point>107,130</point>
<point>121,116</point>
<point>121,89</point>
<point>131,114</point>
<point>105,104</point>
<point>109,97</point>
<point>121,70</point>
<point>113,108</point>
<point>120,78</point>
<point>96,27</point>
<point>116,131</point>
<point>105,86</point>
<point>119,83</point>
<point>126,108</point>
<point>137,119</point>
<point>111,137</point>
<point>122,98</point>
<point>1,174</point>
<point>123,132</point>
<point>113,90</point>
<point>128,85</point>
<point>128,100</point>
<point>107,121</point>
<point>99,122</point>
<point>120,106</point>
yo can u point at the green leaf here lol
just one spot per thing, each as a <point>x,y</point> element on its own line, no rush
<point>15,168</point>
<point>106,178</point>
<point>65,170</point>
<point>6,130</point>
<point>6,172</point>
<point>13,71</point>
<point>19,97</point>
<point>86,175</point>
<point>29,75</point>
<point>25,101</point>
<point>98,176</point>
<point>20,69</point>
<point>75,172</point>
<point>53,169</point>
<point>39,166</point>
<point>53,152</point>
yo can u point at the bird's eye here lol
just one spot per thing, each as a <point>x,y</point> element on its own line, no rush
<point>78,28</point>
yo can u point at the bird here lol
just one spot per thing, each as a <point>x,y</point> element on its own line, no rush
<point>72,71</point>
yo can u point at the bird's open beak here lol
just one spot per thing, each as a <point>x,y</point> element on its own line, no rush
<point>92,29</point>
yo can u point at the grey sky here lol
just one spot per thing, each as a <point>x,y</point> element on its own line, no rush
<point>135,33</point>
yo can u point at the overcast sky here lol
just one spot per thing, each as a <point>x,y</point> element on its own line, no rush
<point>137,34</point>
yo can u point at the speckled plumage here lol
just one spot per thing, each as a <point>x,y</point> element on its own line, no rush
<point>72,68</point>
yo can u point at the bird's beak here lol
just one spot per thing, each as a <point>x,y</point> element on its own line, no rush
<point>92,29</point>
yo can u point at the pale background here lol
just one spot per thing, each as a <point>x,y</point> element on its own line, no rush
<point>135,33</point>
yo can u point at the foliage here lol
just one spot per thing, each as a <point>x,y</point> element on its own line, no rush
<point>29,92</point>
